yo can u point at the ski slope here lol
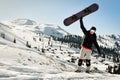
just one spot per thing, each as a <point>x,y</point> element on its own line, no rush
<point>21,63</point>
<point>18,62</point>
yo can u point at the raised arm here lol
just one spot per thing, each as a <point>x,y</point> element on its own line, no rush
<point>82,26</point>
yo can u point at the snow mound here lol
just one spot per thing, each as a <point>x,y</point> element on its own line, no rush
<point>23,22</point>
<point>52,30</point>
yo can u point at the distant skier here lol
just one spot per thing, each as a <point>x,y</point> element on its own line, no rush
<point>90,38</point>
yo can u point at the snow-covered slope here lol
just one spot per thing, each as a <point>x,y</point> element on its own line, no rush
<point>44,58</point>
<point>21,63</point>
<point>23,22</point>
<point>109,41</point>
<point>52,30</point>
<point>48,29</point>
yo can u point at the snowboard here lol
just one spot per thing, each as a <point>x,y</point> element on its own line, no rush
<point>90,9</point>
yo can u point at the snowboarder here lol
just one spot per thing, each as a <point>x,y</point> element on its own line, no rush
<point>86,47</point>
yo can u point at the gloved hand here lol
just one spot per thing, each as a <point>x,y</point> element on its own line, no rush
<point>81,18</point>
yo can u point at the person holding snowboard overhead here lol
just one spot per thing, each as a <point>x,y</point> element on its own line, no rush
<point>90,38</point>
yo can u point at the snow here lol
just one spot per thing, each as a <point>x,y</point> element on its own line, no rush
<point>23,22</point>
<point>52,29</point>
<point>109,41</point>
<point>18,62</point>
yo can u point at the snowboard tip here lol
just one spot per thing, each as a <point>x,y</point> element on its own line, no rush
<point>95,4</point>
<point>65,23</point>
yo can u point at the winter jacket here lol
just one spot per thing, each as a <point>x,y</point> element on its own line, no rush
<point>89,39</point>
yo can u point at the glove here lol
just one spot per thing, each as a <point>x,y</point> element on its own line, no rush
<point>81,18</point>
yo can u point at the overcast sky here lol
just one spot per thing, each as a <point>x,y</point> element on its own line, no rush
<point>106,19</point>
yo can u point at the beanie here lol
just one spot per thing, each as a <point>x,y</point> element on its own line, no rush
<point>93,28</point>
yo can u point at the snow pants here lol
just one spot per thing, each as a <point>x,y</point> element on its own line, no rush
<point>85,54</point>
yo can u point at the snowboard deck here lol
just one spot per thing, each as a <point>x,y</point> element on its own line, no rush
<point>90,9</point>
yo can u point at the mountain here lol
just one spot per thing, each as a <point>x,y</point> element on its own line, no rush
<point>28,52</point>
<point>48,29</point>
<point>23,22</point>
<point>25,26</point>
<point>52,30</point>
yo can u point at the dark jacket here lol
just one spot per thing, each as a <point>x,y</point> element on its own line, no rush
<point>89,39</point>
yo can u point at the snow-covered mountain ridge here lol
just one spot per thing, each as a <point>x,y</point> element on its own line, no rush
<point>21,28</point>
<point>109,41</point>
<point>23,22</point>
<point>48,29</point>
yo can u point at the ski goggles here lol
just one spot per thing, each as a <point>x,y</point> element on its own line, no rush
<point>92,31</point>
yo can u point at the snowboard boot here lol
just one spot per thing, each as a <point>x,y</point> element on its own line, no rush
<point>78,69</point>
<point>88,70</point>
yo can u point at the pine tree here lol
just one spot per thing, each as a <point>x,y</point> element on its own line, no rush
<point>115,69</point>
<point>103,56</point>
<point>3,35</point>
<point>14,40</point>
<point>43,50</point>
<point>118,68</point>
<point>110,69</point>
<point>28,45</point>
